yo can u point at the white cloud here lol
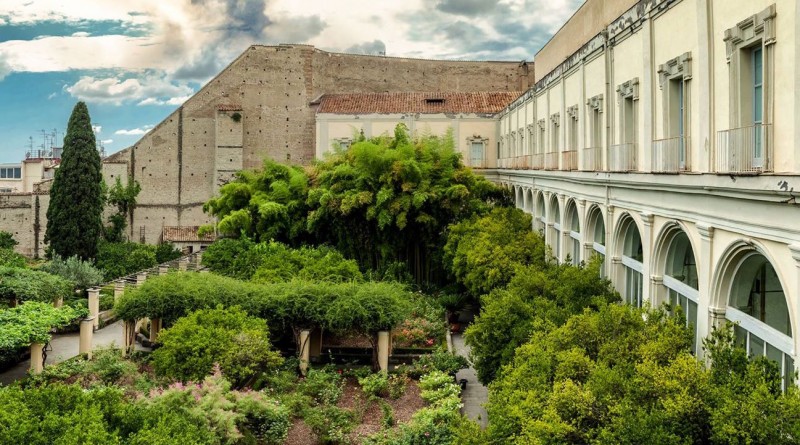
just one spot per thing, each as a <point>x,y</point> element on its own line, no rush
<point>81,34</point>
<point>52,95</point>
<point>97,129</point>
<point>175,101</point>
<point>5,68</point>
<point>134,131</point>
<point>117,90</point>
<point>107,141</point>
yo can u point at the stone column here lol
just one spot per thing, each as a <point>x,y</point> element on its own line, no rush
<point>383,350</point>
<point>611,244</point>
<point>198,259</point>
<point>708,299</point>
<point>141,278</point>
<point>59,302</point>
<point>183,265</point>
<point>128,337</point>
<point>155,328</point>
<point>119,289</point>
<point>163,270</point>
<point>37,364</point>
<point>304,347</point>
<point>658,292</point>
<point>647,244</point>
<point>94,306</point>
<point>87,332</point>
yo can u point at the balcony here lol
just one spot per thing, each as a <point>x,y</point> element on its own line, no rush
<point>745,150</point>
<point>551,161</point>
<point>569,160</point>
<point>622,158</point>
<point>671,155</point>
<point>592,159</point>
<point>537,163</point>
<point>521,162</point>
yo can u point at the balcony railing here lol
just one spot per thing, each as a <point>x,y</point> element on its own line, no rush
<point>569,160</point>
<point>551,161</point>
<point>592,159</point>
<point>521,162</point>
<point>671,155</point>
<point>745,150</point>
<point>538,161</point>
<point>478,162</point>
<point>622,158</point>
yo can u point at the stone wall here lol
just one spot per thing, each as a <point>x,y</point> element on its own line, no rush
<point>184,159</point>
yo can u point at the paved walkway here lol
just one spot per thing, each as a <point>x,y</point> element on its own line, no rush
<point>475,395</point>
<point>64,347</point>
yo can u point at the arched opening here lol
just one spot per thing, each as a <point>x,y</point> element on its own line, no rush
<point>529,201</point>
<point>555,231</point>
<point>538,211</point>
<point>632,254</point>
<point>680,282</point>
<point>596,230</point>
<point>518,197</point>
<point>757,303</point>
<point>573,225</point>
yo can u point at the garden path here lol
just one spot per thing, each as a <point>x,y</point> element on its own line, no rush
<point>65,346</point>
<point>474,395</point>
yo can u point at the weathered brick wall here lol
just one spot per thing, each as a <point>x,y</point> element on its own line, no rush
<point>180,162</point>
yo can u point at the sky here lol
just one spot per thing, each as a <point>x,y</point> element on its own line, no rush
<point>135,61</point>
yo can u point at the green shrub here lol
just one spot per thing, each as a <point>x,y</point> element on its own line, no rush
<point>331,424</point>
<point>398,383</point>
<point>375,385</point>
<point>166,252</point>
<point>265,421</point>
<point>109,366</point>
<point>440,360</point>
<point>7,241</point>
<point>82,273</point>
<point>387,415</point>
<point>32,285</point>
<point>122,259</point>
<point>325,387</point>
<point>239,344</point>
<point>9,258</point>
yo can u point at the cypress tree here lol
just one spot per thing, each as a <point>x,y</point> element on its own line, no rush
<point>74,215</point>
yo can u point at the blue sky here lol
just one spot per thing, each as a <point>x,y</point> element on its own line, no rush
<point>135,61</point>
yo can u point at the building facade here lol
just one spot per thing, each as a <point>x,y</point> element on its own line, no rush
<point>666,143</point>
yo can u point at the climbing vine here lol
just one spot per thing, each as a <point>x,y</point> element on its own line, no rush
<point>31,322</point>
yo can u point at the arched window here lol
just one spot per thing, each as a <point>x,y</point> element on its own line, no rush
<point>529,201</point>
<point>632,254</point>
<point>680,278</point>
<point>573,225</point>
<point>596,228</point>
<point>758,304</point>
<point>555,234</point>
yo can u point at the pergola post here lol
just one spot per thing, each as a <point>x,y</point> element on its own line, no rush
<point>37,361</point>
<point>119,289</point>
<point>383,350</point>
<point>305,348</point>
<point>128,336</point>
<point>87,332</point>
<point>155,328</point>
<point>94,306</point>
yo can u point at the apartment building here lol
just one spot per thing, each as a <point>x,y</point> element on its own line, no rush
<point>662,136</point>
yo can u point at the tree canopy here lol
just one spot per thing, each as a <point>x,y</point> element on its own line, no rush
<point>383,201</point>
<point>74,223</point>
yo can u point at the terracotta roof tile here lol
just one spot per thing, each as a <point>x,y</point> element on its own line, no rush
<point>185,234</point>
<point>426,103</point>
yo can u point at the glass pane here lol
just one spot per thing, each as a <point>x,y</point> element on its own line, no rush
<point>756,346</point>
<point>788,370</point>
<point>2,173</point>
<point>741,336</point>
<point>18,173</point>
<point>774,354</point>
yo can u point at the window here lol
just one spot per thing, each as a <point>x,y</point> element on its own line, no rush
<point>680,280</point>
<point>746,147</point>
<point>632,255</point>
<point>574,234</point>
<point>477,150</point>
<point>598,233</point>
<point>343,143</point>
<point>6,190</point>
<point>10,172</point>
<point>555,233</point>
<point>572,128</point>
<point>670,153</point>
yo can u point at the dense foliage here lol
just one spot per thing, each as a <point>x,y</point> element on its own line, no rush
<point>82,273</point>
<point>484,252</point>
<point>272,262</point>
<point>382,202</point>
<point>76,198</point>
<point>339,307</point>
<point>626,376</point>
<point>7,240</point>
<point>121,259</point>
<point>229,338</point>
<point>206,413</point>
<point>123,198</point>
<point>9,258</point>
<point>32,322</point>
<point>32,285</point>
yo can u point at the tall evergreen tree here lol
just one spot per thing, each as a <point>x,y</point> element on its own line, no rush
<point>74,223</point>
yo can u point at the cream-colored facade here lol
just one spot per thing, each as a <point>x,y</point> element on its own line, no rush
<point>475,135</point>
<point>666,142</point>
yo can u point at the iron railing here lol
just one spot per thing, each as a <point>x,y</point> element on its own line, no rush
<point>622,158</point>
<point>671,155</point>
<point>745,150</point>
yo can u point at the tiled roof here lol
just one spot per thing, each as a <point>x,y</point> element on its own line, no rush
<point>426,103</point>
<point>187,234</point>
<point>229,107</point>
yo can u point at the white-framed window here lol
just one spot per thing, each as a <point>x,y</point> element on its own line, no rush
<point>10,172</point>
<point>680,281</point>
<point>597,230</point>
<point>477,151</point>
<point>633,269</point>
<point>757,303</point>
<point>572,128</point>
<point>343,143</point>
